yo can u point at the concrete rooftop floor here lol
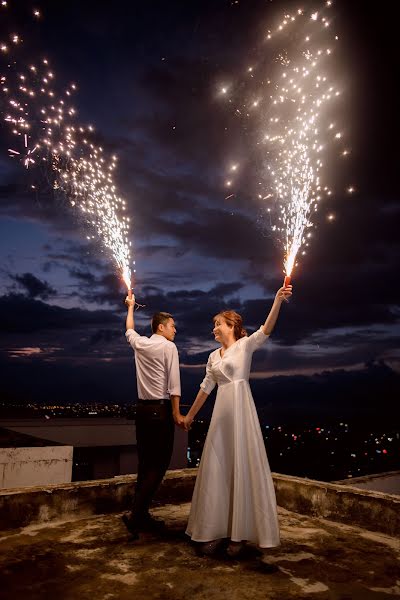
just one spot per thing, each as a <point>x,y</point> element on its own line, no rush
<point>94,559</point>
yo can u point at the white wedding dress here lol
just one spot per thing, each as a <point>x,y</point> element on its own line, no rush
<point>234,495</point>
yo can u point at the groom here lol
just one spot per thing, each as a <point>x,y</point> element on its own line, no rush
<point>159,392</point>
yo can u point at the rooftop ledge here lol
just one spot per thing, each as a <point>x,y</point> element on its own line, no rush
<point>20,507</point>
<point>68,542</point>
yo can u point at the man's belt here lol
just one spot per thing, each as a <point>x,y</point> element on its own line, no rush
<point>154,401</point>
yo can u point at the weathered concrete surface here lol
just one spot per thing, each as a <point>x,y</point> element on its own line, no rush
<point>93,558</point>
<point>35,466</point>
<point>371,510</point>
<point>20,507</point>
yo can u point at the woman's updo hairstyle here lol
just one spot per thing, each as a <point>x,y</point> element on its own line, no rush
<point>233,319</point>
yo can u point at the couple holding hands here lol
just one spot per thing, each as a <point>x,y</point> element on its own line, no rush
<point>234,496</point>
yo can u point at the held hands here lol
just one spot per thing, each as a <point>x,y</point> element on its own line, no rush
<point>183,422</point>
<point>284,293</point>
<point>187,423</point>
<point>179,420</point>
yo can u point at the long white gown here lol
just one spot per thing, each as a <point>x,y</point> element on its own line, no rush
<point>234,495</point>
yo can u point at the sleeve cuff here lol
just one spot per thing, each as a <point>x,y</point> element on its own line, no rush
<point>207,388</point>
<point>262,331</point>
<point>131,334</point>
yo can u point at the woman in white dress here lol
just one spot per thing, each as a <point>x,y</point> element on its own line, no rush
<point>234,496</point>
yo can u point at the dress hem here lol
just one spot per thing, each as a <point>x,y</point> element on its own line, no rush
<point>232,540</point>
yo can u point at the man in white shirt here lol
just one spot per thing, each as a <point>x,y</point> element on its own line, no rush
<point>159,392</point>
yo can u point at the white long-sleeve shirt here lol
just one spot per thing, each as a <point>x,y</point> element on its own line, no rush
<point>157,366</point>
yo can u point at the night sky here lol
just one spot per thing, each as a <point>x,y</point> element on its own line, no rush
<point>148,76</point>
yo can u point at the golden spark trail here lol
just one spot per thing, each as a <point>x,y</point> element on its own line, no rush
<point>44,124</point>
<point>297,130</point>
<point>293,100</point>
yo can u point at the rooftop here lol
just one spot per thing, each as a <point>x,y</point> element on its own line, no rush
<point>76,432</point>
<point>93,558</point>
<point>388,482</point>
<point>15,439</point>
<point>67,541</point>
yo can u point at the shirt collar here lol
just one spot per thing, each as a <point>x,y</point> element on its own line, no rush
<point>158,337</point>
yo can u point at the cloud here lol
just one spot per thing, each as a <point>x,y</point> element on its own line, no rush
<point>34,286</point>
<point>19,314</point>
<point>100,289</point>
<point>105,336</point>
<point>86,277</point>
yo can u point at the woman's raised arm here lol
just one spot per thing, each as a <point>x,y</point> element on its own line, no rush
<point>281,295</point>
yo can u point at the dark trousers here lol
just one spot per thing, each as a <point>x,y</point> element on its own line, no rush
<point>155,441</point>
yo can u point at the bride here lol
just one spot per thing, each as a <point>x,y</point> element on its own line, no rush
<point>234,496</point>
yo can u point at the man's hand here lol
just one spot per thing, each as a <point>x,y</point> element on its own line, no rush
<point>130,316</point>
<point>130,301</point>
<point>179,420</point>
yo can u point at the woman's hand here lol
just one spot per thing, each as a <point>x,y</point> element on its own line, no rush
<point>187,422</point>
<point>284,293</point>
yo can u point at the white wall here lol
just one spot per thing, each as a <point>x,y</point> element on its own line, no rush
<point>21,467</point>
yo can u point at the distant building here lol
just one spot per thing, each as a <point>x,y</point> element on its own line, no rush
<point>102,447</point>
<point>389,482</point>
<point>27,460</point>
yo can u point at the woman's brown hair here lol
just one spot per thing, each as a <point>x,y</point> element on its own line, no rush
<point>234,320</point>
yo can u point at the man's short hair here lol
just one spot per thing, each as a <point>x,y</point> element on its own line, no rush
<point>158,319</point>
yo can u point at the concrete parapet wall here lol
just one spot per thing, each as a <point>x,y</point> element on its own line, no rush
<point>20,507</point>
<point>370,510</point>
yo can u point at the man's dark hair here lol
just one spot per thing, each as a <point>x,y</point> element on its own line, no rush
<point>158,319</point>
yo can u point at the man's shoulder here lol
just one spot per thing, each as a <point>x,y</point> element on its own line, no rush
<point>131,334</point>
<point>160,340</point>
<point>170,345</point>
<point>136,338</point>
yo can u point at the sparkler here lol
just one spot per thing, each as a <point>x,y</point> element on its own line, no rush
<point>47,133</point>
<point>296,126</point>
<point>297,132</point>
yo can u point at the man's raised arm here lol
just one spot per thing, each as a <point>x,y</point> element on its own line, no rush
<point>130,318</point>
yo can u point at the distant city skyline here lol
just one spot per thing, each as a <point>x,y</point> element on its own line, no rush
<point>326,450</point>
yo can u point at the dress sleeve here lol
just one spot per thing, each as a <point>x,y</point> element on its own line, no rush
<point>209,382</point>
<point>174,380</point>
<point>131,337</point>
<point>256,340</point>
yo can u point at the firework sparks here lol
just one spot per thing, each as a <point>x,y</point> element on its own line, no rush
<point>46,130</point>
<point>297,134</point>
<point>294,114</point>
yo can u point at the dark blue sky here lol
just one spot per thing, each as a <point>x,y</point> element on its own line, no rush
<point>148,75</point>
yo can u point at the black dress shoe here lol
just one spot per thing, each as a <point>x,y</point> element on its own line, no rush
<point>131,525</point>
<point>149,523</point>
<point>210,548</point>
<point>236,551</point>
